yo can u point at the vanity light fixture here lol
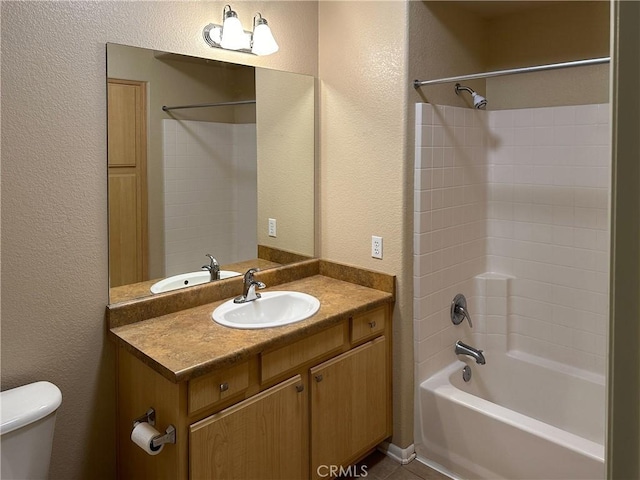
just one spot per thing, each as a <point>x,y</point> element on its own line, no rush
<point>231,36</point>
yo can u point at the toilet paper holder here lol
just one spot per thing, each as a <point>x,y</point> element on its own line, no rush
<point>150,417</point>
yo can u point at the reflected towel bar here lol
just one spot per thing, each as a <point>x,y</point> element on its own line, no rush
<point>205,105</point>
<point>512,71</point>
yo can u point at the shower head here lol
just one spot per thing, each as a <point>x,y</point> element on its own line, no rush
<point>479,101</point>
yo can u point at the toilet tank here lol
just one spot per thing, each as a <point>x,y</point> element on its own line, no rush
<point>27,420</point>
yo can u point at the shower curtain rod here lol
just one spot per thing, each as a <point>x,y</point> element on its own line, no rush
<point>498,73</point>
<point>203,105</point>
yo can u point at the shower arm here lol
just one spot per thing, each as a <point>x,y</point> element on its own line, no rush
<point>462,87</point>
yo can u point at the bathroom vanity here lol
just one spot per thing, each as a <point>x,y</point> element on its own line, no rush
<point>286,402</point>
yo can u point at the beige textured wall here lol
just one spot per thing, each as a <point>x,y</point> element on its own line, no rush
<point>285,112</point>
<point>54,191</point>
<point>549,33</point>
<point>363,161</point>
<point>173,82</point>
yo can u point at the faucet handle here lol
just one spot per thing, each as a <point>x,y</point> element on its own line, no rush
<point>459,310</point>
<point>248,276</point>
<point>212,261</point>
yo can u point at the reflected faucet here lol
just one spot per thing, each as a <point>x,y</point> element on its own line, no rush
<point>464,349</point>
<point>213,268</point>
<point>249,288</point>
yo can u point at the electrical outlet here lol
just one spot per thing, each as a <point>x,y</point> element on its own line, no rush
<point>272,227</point>
<point>376,247</point>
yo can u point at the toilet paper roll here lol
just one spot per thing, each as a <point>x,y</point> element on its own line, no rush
<point>142,434</point>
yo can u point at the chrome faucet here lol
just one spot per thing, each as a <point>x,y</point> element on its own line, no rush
<point>249,289</point>
<point>213,268</point>
<point>464,349</point>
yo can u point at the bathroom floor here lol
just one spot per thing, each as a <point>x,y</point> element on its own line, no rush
<point>381,467</point>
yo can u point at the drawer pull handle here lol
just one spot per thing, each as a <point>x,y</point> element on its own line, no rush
<point>299,388</point>
<point>318,378</point>
<point>372,324</point>
<point>224,387</point>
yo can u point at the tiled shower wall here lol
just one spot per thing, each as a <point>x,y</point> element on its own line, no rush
<point>210,178</point>
<point>449,226</point>
<point>548,227</point>
<point>537,217</point>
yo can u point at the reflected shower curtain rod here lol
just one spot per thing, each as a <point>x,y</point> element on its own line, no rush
<point>512,71</point>
<point>205,105</point>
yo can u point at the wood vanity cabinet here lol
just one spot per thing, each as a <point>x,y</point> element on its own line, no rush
<point>320,401</point>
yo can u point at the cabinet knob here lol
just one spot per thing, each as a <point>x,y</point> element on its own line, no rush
<point>372,324</point>
<point>224,387</point>
<point>299,388</point>
<point>318,378</point>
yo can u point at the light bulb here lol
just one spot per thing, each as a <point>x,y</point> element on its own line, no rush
<point>233,37</point>
<point>263,41</point>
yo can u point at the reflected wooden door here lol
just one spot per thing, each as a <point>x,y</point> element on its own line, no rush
<point>127,160</point>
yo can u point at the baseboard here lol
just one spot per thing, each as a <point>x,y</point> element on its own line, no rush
<point>439,468</point>
<point>400,455</point>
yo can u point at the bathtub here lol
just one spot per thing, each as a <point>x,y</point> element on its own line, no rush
<point>516,419</point>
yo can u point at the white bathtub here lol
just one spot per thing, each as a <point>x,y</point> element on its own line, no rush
<point>515,419</point>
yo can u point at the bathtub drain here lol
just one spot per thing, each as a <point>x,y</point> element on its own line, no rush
<point>466,373</point>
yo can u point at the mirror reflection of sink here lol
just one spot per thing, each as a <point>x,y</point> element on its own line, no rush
<point>273,309</point>
<point>188,280</point>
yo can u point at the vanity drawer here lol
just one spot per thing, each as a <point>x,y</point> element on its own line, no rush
<point>210,389</point>
<point>286,358</point>
<point>368,324</point>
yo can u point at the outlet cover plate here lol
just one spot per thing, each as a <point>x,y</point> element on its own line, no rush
<point>376,247</point>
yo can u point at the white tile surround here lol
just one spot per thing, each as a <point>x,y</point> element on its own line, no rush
<point>210,178</point>
<point>511,209</point>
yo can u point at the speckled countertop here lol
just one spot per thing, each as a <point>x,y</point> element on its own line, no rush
<point>188,343</point>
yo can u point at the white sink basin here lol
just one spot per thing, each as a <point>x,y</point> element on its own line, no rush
<point>272,310</point>
<point>188,280</point>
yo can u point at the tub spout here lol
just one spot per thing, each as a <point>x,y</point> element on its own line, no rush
<point>464,349</point>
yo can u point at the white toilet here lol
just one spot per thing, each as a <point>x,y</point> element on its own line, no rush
<point>28,417</point>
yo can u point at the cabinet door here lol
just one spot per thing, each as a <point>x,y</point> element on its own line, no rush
<point>262,437</point>
<point>349,406</point>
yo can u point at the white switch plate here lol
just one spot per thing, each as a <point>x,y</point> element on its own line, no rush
<point>376,247</point>
<point>272,227</point>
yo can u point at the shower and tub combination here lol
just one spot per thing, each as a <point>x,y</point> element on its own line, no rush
<point>512,212</point>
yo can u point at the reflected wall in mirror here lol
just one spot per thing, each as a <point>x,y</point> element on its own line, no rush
<point>185,182</point>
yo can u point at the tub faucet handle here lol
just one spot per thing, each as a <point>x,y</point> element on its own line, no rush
<point>459,310</point>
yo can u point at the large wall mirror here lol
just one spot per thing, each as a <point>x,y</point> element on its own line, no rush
<point>204,157</point>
